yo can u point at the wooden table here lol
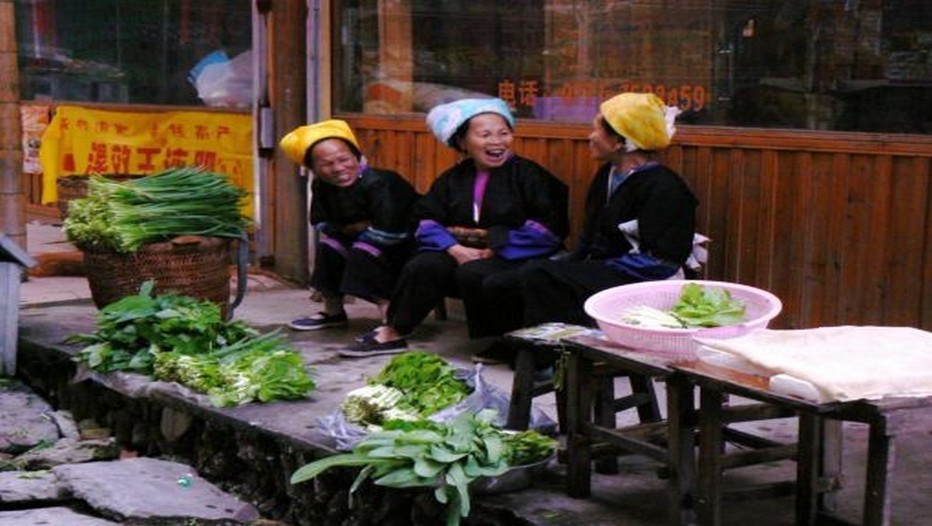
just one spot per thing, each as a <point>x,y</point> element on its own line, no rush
<point>677,451</point>
<point>819,457</point>
<point>584,434</point>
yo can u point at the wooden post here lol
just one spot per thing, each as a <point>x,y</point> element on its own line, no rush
<point>12,207</point>
<point>288,191</point>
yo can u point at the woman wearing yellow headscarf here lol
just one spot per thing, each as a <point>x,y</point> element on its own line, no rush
<point>361,214</point>
<point>640,215</point>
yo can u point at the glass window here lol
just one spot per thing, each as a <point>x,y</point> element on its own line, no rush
<point>858,65</point>
<point>135,51</point>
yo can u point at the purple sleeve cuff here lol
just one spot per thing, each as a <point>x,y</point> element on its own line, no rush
<point>530,241</point>
<point>643,267</point>
<point>333,244</point>
<point>367,248</point>
<point>431,235</point>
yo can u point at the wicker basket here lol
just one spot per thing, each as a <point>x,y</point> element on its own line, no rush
<point>608,307</point>
<point>73,187</point>
<point>191,265</point>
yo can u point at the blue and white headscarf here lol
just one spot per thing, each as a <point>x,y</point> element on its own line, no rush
<point>445,119</point>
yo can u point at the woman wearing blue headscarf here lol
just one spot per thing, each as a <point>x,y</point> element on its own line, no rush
<point>480,222</point>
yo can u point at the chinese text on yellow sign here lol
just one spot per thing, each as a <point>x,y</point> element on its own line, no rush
<point>81,141</point>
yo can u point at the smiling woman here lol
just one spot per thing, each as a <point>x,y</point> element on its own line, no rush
<point>479,223</point>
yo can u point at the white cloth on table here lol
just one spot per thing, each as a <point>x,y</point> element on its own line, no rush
<point>841,363</point>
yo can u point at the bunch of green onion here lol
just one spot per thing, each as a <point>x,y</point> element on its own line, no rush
<point>175,202</point>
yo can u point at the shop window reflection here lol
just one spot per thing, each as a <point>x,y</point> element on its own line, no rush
<point>856,65</point>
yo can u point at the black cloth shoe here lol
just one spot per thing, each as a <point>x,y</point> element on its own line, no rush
<point>319,321</point>
<point>370,335</point>
<point>370,347</point>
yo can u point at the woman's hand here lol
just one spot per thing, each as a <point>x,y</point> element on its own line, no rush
<point>471,237</point>
<point>353,229</point>
<point>463,254</point>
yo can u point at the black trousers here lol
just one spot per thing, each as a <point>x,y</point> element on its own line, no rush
<point>356,272</point>
<point>490,290</point>
<point>555,291</point>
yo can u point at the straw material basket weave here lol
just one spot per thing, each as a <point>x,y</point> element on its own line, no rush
<point>194,266</point>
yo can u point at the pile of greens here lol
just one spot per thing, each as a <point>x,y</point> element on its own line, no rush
<point>697,306</point>
<point>180,201</point>
<point>178,338</point>
<point>446,457</point>
<point>412,385</point>
<point>700,306</point>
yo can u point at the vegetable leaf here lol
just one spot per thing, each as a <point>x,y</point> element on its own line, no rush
<point>700,306</point>
<point>181,339</point>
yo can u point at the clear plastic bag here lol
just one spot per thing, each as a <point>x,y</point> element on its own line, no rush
<point>483,396</point>
<point>224,82</point>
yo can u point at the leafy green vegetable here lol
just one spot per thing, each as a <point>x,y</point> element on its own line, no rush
<point>133,329</point>
<point>178,201</point>
<point>178,338</point>
<point>527,447</point>
<point>652,317</point>
<point>372,405</point>
<point>90,225</point>
<point>697,306</point>
<point>700,306</point>
<point>427,381</point>
<point>447,457</point>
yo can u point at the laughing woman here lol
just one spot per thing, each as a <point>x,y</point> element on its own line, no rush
<point>480,222</point>
<point>362,216</point>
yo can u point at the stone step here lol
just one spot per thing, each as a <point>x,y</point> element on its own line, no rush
<point>142,489</point>
<point>56,467</point>
<point>58,516</point>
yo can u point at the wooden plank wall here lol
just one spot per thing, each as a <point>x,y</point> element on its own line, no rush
<point>838,225</point>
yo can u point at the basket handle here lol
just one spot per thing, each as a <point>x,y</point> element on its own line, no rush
<point>242,259</point>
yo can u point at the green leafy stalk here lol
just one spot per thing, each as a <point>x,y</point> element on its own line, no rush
<point>697,306</point>
<point>446,457</point>
<point>179,201</point>
<point>180,339</point>
<point>427,381</point>
<point>700,306</point>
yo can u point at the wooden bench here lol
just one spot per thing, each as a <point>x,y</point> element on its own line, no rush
<point>670,441</point>
<point>543,344</point>
<point>819,444</point>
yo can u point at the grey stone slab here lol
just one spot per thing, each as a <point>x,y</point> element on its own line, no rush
<point>67,427</point>
<point>50,517</point>
<point>24,420</point>
<point>148,488</point>
<point>29,486</point>
<point>69,451</point>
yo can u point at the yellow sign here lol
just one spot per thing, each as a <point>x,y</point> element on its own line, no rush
<point>82,141</point>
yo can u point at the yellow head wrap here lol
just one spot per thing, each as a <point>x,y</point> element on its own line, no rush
<point>642,119</point>
<point>298,140</point>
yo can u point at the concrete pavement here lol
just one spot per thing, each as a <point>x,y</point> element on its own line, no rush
<point>635,497</point>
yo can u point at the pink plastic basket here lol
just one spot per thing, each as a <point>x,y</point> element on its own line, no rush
<point>608,308</point>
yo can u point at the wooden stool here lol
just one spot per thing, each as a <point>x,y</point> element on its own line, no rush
<point>529,345</point>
